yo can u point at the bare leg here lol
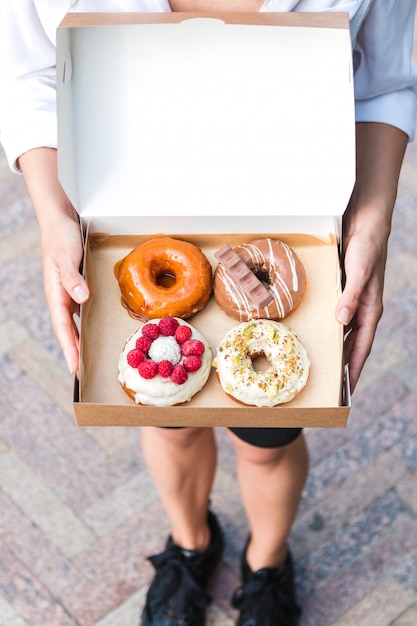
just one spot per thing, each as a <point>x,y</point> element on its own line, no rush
<point>183,462</point>
<point>271,482</point>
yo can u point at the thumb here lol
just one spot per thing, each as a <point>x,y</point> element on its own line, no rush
<point>345,309</point>
<point>73,282</point>
<point>348,302</point>
<point>80,293</point>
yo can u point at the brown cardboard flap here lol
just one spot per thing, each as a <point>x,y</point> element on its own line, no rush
<point>91,414</point>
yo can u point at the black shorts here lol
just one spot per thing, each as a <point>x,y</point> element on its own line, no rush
<point>264,437</point>
<point>267,437</point>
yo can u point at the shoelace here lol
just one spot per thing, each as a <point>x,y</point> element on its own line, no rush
<point>265,589</point>
<point>180,589</point>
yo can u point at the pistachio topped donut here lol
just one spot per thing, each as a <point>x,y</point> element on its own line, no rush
<point>288,363</point>
<point>277,266</point>
<point>165,277</point>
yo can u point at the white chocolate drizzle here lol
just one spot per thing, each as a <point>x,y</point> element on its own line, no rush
<point>274,260</point>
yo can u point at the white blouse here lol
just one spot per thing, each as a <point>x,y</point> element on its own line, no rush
<point>382,40</point>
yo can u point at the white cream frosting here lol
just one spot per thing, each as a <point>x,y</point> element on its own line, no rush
<point>281,382</point>
<point>159,391</point>
<point>165,349</point>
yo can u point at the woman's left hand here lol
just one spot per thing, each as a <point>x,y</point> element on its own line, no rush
<point>360,306</point>
<point>380,151</point>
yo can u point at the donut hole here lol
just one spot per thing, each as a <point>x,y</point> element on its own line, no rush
<point>166,279</point>
<point>263,275</point>
<point>260,363</point>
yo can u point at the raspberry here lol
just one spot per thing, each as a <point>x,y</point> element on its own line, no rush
<point>192,363</point>
<point>135,357</point>
<point>151,331</point>
<point>179,375</point>
<point>193,347</point>
<point>182,334</point>
<point>165,368</point>
<point>148,369</point>
<point>143,343</point>
<point>168,326</point>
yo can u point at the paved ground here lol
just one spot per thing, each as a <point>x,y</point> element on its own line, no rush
<point>79,514</point>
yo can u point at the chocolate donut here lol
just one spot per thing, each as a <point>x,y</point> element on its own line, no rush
<point>277,266</point>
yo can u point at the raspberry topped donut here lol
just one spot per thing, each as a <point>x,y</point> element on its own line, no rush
<point>279,269</point>
<point>165,362</point>
<point>288,368</point>
<point>165,277</point>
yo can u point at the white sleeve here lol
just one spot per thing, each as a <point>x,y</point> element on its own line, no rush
<point>27,81</point>
<point>385,81</point>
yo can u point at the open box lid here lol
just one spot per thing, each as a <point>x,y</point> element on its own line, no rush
<point>245,114</point>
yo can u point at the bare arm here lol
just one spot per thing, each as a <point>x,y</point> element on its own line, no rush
<point>61,247</point>
<point>367,225</point>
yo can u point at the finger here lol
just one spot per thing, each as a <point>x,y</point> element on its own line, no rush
<point>357,349</point>
<point>66,332</point>
<point>349,301</point>
<point>359,340</point>
<point>73,283</point>
<point>62,308</point>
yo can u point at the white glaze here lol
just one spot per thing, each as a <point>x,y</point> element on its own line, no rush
<point>159,391</point>
<point>281,382</point>
<point>165,349</point>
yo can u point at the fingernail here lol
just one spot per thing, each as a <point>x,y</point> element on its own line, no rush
<point>80,294</point>
<point>344,316</point>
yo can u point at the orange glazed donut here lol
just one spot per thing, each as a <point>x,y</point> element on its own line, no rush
<point>165,277</point>
<point>277,266</point>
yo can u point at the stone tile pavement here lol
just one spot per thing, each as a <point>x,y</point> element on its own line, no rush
<point>79,513</point>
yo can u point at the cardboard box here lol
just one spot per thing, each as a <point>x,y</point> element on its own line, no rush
<point>215,129</point>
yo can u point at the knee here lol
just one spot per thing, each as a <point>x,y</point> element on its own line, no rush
<point>181,437</point>
<point>271,457</point>
<point>258,456</point>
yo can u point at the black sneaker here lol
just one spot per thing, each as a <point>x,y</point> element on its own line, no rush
<point>267,597</point>
<point>177,595</point>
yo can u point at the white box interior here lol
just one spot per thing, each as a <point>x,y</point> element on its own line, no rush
<point>205,118</point>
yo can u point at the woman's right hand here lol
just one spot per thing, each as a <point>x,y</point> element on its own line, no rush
<point>65,288</point>
<point>61,246</point>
